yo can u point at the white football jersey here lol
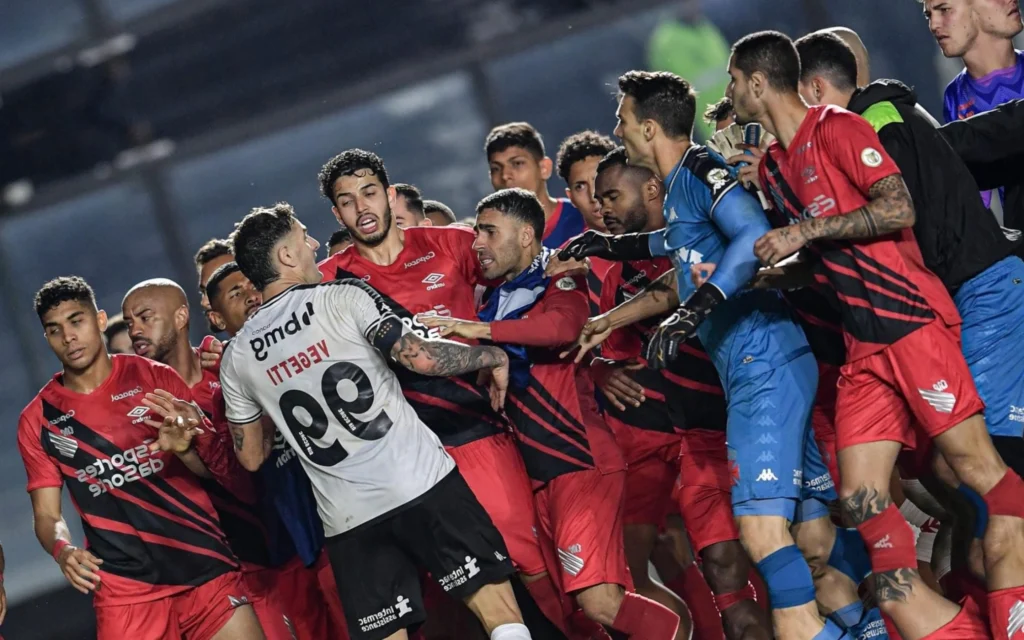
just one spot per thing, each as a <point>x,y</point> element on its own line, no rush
<point>306,359</point>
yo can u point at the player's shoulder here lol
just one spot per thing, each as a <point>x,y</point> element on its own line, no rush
<point>450,240</point>
<point>133,367</point>
<point>709,169</point>
<point>826,117</point>
<point>572,280</point>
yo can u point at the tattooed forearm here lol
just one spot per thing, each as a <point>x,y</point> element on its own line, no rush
<point>658,298</point>
<point>443,357</point>
<point>238,435</point>
<point>890,208</point>
<point>864,504</point>
<point>895,585</point>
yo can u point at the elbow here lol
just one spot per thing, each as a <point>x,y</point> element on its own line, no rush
<point>251,461</point>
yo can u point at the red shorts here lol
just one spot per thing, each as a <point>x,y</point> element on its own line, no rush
<point>297,589</point>
<point>823,417</point>
<point>582,513</point>
<point>325,577</point>
<point>1002,606</point>
<point>649,485</point>
<point>494,471</point>
<point>265,595</point>
<point>921,379</point>
<point>705,489</point>
<point>969,623</point>
<point>196,614</point>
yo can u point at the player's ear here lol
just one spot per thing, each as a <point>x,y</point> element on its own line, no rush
<point>101,320</point>
<point>392,197</point>
<point>758,84</point>
<point>181,317</point>
<point>567,192</point>
<point>546,167</point>
<point>216,320</point>
<point>652,189</point>
<point>337,215</point>
<point>426,222</point>
<point>649,129</point>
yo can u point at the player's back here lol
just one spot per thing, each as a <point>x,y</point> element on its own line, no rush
<point>143,512</point>
<point>436,272</point>
<point>752,328</point>
<point>306,359</point>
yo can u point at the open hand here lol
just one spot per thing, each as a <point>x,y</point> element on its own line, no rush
<point>179,422</point>
<point>593,334</point>
<point>614,381</point>
<point>777,244</point>
<point>210,352</point>
<point>80,567</point>
<point>748,174</point>
<point>701,273</point>
<point>557,266</point>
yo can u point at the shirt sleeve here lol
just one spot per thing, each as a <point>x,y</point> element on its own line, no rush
<point>853,146</point>
<point>370,314</point>
<point>656,243</point>
<point>239,405</point>
<point>41,469</point>
<point>741,219</point>
<point>458,244</point>
<point>556,320</point>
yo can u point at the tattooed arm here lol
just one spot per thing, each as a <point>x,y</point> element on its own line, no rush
<point>657,299</point>
<point>444,358</point>
<point>253,441</point>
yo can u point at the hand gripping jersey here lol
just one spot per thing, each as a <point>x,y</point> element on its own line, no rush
<point>883,288</point>
<point>436,272</point>
<point>311,359</point>
<point>144,514</point>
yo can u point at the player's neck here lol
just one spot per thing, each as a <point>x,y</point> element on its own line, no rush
<point>669,153</point>
<point>655,221</point>
<point>89,379</point>
<point>783,118</point>
<point>989,53</point>
<point>385,253</point>
<point>185,361</point>
<point>546,201</point>
<point>279,286</point>
<point>524,263</point>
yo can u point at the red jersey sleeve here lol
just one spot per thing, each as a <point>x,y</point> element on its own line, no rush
<point>555,321</point>
<point>457,243</point>
<point>40,468</point>
<point>854,148</point>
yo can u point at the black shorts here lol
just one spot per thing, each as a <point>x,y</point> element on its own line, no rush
<point>444,532</point>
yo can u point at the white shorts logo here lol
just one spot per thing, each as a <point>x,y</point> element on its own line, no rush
<point>402,606</point>
<point>939,399</point>
<point>871,157</point>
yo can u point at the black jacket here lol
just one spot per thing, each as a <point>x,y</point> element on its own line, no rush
<point>958,236</point>
<point>992,145</point>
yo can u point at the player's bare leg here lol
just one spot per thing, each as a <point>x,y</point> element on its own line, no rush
<point>969,451</point>
<point>833,590</point>
<point>398,635</point>
<point>762,536</point>
<point>727,570</point>
<point>549,597</point>
<point>866,470</point>
<point>640,540</point>
<point>242,625</point>
<point>496,608</point>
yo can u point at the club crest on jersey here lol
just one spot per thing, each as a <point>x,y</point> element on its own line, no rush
<point>871,158</point>
<point>566,284</point>
<point>266,338</point>
<point>718,178</point>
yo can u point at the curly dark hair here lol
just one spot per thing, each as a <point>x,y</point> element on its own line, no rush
<point>347,163</point>
<point>580,146</point>
<point>63,289</point>
<point>254,238</point>
<point>663,97</point>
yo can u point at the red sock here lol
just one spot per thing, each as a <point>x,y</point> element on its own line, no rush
<point>725,600</point>
<point>691,587</point>
<point>639,618</point>
<point>890,541</point>
<point>550,601</point>
<point>1004,498</point>
<point>760,589</point>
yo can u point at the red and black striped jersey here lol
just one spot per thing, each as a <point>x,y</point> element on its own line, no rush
<point>687,395</point>
<point>557,423</point>
<point>883,288</point>
<point>437,271</point>
<point>253,528</point>
<point>144,513</point>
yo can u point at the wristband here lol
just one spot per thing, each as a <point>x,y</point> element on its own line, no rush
<point>704,299</point>
<point>57,548</point>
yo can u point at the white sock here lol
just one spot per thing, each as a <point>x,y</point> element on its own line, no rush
<point>511,632</point>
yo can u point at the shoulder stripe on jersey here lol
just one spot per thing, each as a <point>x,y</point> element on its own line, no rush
<point>882,113</point>
<point>790,203</point>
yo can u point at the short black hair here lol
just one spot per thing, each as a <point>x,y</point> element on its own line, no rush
<point>663,97</point>
<point>254,238</point>
<point>514,134</point>
<point>63,289</point>
<point>213,249</point>
<point>436,206</point>
<point>115,325</point>
<point>218,277</point>
<point>339,236</point>
<point>617,157</point>
<point>347,163</point>
<point>412,195</point>
<point>827,55</point>
<point>518,203</point>
<point>773,54</point>
<point>719,111</point>
<point>580,146</point>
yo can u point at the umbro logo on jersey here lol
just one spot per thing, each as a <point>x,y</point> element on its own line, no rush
<point>939,399</point>
<point>433,281</point>
<point>65,446</point>
<point>138,414</point>
<point>269,337</point>
<point>767,475</point>
<point>126,394</point>
<point>884,543</point>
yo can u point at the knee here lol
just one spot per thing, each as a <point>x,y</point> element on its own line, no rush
<point>860,502</point>
<point>763,535</point>
<point>601,603</point>
<point>815,541</point>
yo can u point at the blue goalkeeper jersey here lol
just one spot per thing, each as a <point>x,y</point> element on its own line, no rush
<point>711,219</point>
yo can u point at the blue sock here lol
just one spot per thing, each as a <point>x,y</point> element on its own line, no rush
<point>870,627</point>
<point>849,615</point>
<point>787,577</point>
<point>849,555</point>
<point>980,509</point>
<point>831,632</point>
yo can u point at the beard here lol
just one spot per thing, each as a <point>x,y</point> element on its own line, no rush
<point>377,236</point>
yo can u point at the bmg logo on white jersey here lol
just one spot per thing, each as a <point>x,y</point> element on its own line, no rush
<point>268,338</point>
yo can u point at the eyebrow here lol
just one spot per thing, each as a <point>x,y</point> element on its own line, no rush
<point>484,227</point>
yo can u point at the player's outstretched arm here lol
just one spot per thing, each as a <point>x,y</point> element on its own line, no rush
<point>253,442</point>
<point>629,246</point>
<point>444,358</point>
<point>78,565</point>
